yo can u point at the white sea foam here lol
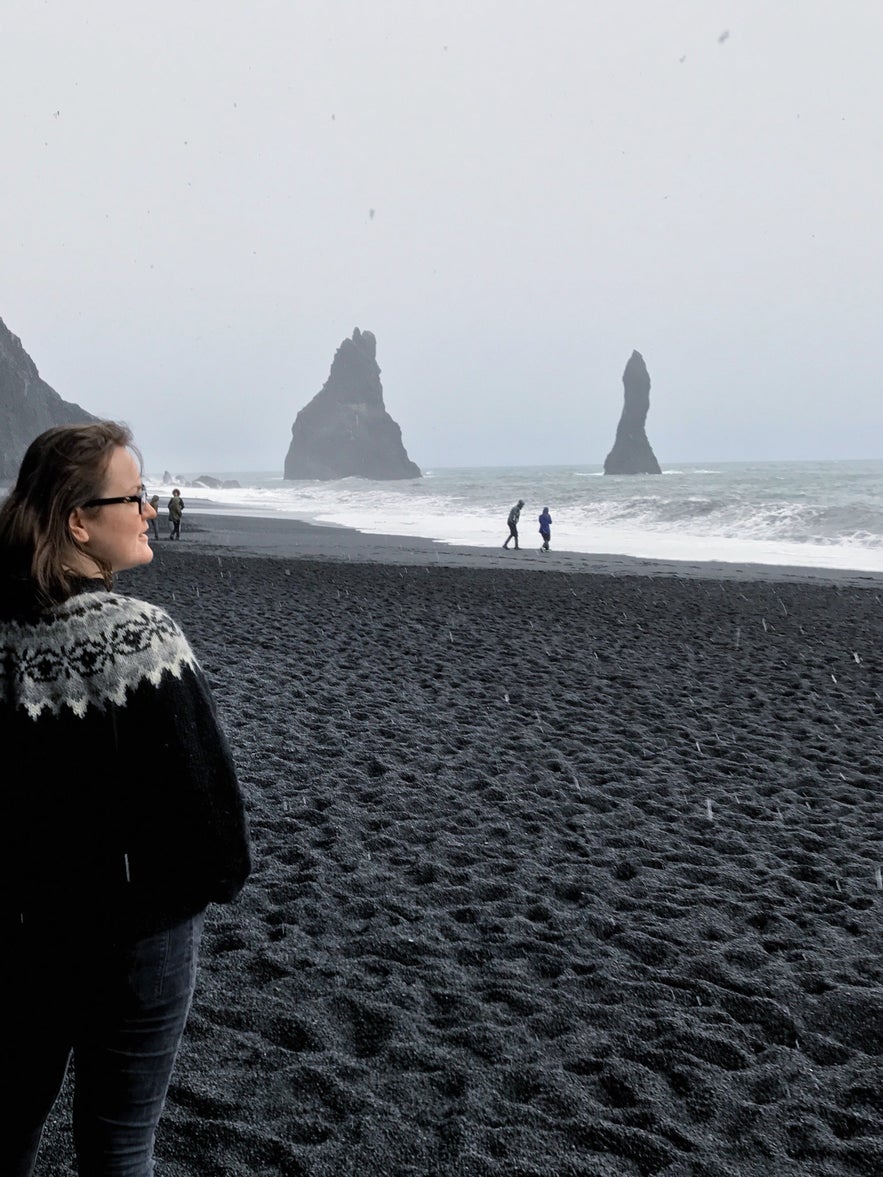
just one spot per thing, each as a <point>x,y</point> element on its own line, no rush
<point>826,514</point>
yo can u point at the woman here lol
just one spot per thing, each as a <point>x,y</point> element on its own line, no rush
<point>120,813</point>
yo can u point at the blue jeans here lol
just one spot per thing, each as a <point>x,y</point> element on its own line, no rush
<point>120,1010</point>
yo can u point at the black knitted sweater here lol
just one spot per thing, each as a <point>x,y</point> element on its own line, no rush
<point>119,804</point>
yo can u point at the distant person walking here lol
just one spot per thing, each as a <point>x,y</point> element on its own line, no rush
<point>154,526</point>
<point>512,520</point>
<point>176,510</point>
<point>545,528</point>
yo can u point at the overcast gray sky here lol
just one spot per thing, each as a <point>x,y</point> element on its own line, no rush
<point>201,199</point>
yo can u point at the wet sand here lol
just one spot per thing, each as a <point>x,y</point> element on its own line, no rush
<point>565,865</point>
<point>221,534</point>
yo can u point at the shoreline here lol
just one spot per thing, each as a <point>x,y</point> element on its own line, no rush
<point>254,536</point>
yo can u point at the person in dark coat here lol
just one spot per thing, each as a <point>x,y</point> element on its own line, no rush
<point>121,817</point>
<point>176,510</point>
<point>512,521</point>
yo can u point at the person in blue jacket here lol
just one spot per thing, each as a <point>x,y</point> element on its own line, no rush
<point>545,528</point>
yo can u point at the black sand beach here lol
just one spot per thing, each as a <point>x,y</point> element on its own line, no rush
<point>564,866</point>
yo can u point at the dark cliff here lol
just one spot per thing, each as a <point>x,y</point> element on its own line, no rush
<point>632,452</point>
<point>27,404</point>
<point>345,430</point>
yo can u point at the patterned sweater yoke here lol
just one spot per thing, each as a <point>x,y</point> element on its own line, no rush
<point>123,808</point>
<point>90,651</point>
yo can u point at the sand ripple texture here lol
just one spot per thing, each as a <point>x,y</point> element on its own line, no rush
<point>556,875</point>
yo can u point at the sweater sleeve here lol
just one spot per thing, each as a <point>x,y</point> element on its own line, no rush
<point>185,825</point>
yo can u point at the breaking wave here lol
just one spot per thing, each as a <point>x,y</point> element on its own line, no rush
<point>823,513</point>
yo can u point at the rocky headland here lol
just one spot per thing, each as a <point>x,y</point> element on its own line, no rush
<point>28,405</point>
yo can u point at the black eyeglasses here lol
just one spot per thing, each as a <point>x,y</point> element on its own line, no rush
<point>141,499</point>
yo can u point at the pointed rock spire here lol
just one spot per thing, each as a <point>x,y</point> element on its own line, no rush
<point>632,453</point>
<point>345,430</point>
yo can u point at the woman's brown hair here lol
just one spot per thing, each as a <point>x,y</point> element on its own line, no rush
<point>63,468</point>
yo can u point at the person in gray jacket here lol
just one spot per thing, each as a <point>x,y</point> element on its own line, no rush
<point>512,520</point>
<point>152,523</point>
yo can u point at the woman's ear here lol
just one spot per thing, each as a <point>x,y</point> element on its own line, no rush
<point>76,523</point>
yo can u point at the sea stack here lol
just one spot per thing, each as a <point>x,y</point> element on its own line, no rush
<point>632,452</point>
<point>345,430</point>
<point>28,405</point>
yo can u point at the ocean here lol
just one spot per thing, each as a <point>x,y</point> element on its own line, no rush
<point>819,514</point>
